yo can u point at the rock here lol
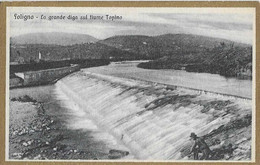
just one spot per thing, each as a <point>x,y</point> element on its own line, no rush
<point>37,157</point>
<point>15,132</point>
<point>116,154</point>
<point>17,155</point>
<point>47,143</point>
<point>25,144</point>
<point>21,133</point>
<point>30,142</point>
<point>241,140</point>
<point>231,135</point>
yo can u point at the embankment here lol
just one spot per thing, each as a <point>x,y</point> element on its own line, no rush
<point>155,121</point>
<point>33,74</point>
<point>41,77</point>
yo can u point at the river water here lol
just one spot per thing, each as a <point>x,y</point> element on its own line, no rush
<point>150,120</point>
<point>117,107</point>
<point>202,81</point>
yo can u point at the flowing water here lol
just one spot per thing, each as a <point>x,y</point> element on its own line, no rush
<point>78,119</point>
<point>202,81</point>
<point>152,121</point>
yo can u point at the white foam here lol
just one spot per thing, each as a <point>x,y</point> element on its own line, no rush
<point>157,134</point>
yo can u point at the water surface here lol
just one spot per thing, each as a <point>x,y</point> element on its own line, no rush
<point>201,81</point>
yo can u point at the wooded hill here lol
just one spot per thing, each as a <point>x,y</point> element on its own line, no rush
<point>178,51</point>
<point>166,45</point>
<point>225,60</point>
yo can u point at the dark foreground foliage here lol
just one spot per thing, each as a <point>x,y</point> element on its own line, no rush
<point>225,60</point>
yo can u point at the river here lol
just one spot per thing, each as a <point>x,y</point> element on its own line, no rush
<point>201,81</point>
<point>152,120</point>
<point>117,107</point>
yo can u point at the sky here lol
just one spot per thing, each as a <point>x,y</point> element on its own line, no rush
<point>229,23</point>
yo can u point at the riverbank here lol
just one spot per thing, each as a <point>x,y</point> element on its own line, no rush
<point>225,60</point>
<point>48,72</point>
<point>38,130</point>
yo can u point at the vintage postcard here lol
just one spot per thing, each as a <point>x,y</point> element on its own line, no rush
<point>130,84</point>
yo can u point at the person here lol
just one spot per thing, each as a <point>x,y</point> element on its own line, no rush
<point>199,146</point>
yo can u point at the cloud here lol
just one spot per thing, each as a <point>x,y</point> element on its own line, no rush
<point>233,26</point>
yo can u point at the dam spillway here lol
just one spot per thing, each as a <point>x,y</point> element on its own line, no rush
<point>155,121</point>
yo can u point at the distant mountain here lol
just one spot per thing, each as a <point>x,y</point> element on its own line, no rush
<point>52,38</point>
<point>190,52</point>
<point>202,54</point>
<point>166,45</point>
<point>191,39</point>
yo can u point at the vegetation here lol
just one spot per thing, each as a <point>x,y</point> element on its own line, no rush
<point>223,59</point>
<point>165,45</point>
<point>30,53</point>
<point>170,51</point>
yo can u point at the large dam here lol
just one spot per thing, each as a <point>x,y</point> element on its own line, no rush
<point>153,120</point>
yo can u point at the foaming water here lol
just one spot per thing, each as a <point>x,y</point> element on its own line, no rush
<point>152,121</point>
<point>79,119</point>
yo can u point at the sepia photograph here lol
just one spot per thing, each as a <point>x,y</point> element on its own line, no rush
<point>130,84</point>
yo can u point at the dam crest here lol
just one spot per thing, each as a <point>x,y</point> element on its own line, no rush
<point>154,120</point>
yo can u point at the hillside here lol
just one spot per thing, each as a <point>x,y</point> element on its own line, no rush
<point>54,38</point>
<point>166,45</point>
<point>30,53</point>
<point>170,51</point>
<point>225,60</point>
<point>193,53</point>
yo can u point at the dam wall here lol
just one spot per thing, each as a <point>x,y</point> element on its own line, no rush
<point>48,75</point>
<point>155,122</point>
<point>42,76</point>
